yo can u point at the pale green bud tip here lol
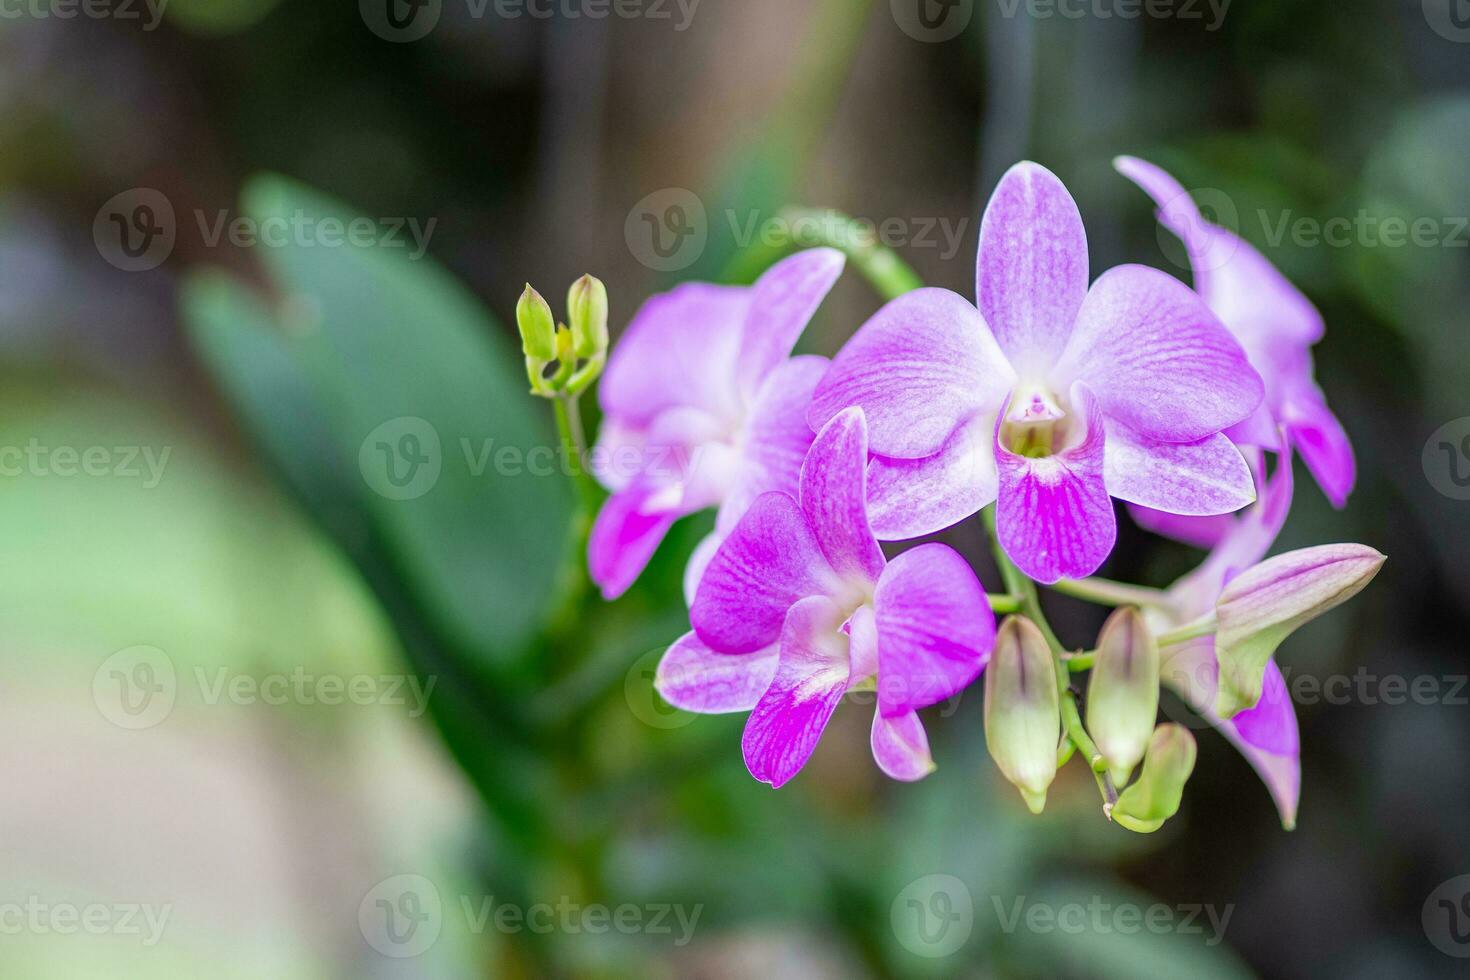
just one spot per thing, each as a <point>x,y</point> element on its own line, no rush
<point>537,326</point>
<point>1123,691</point>
<point>587,310</point>
<point>1266,603</point>
<point>1154,798</point>
<point>1023,720</point>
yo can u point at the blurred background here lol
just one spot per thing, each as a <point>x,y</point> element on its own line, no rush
<point>278,705</point>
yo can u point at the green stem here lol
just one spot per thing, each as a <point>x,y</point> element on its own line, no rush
<point>1018,584</point>
<point>889,275</point>
<point>574,445</point>
<point>1203,626</point>
<point>1109,593</point>
<point>1003,603</point>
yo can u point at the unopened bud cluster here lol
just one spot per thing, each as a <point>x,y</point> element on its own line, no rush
<point>577,349</point>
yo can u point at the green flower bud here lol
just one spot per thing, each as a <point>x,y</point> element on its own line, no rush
<point>538,326</point>
<point>1123,692</point>
<point>1154,798</point>
<point>1264,604</point>
<point>587,311</point>
<point>1023,719</point>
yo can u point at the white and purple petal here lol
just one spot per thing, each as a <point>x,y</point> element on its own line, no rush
<point>624,537</point>
<point>769,561</point>
<point>1031,269</point>
<point>920,366</point>
<point>810,679</point>
<point>834,497</point>
<point>908,498</point>
<point>1053,515</point>
<point>901,747</point>
<point>1197,479</point>
<point>935,629</point>
<point>695,678</point>
<point>1157,359</point>
<point>782,302</point>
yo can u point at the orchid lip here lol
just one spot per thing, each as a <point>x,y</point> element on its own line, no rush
<point>1037,424</point>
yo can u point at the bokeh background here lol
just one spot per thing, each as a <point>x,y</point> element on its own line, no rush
<point>216,601</point>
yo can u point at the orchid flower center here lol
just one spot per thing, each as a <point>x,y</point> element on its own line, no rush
<point>1037,423</point>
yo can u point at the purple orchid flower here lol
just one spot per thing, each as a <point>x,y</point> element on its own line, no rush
<point>1267,734</point>
<point>1276,325</point>
<point>799,606</point>
<point>703,406</point>
<point>1050,398</point>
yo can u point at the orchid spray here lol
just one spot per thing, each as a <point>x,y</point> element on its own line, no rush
<point>1034,406</point>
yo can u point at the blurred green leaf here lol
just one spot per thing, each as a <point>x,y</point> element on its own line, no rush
<point>421,393</point>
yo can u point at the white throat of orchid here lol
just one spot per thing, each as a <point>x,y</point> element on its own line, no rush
<point>1040,423</point>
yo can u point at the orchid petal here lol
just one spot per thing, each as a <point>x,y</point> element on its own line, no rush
<point>695,678</point>
<point>901,747</point>
<point>1191,478</point>
<point>908,498</point>
<point>677,350</point>
<point>1157,359</point>
<point>834,487</point>
<point>1053,515</point>
<point>769,561</point>
<point>924,362</point>
<point>935,629</point>
<point>782,302</point>
<point>699,560</point>
<point>775,439</point>
<point>810,679</point>
<point>1199,532</point>
<point>1031,270</point>
<point>624,538</point>
<point>1323,444</point>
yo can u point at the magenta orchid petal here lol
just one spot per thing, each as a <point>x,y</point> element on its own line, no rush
<point>1235,280</point>
<point>1190,478</point>
<point>1157,359</point>
<point>901,747</point>
<point>623,539</point>
<point>1031,272</point>
<point>1324,446</point>
<point>935,629</point>
<point>908,498</point>
<point>782,301</point>
<point>862,643</point>
<point>924,363</point>
<point>699,560</point>
<point>776,437</point>
<point>1268,737</point>
<point>695,678</point>
<point>769,561</point>
<point>677,350</point>
<point>810,679</point>
<point>833,497</point>
<point>1053,515</point>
